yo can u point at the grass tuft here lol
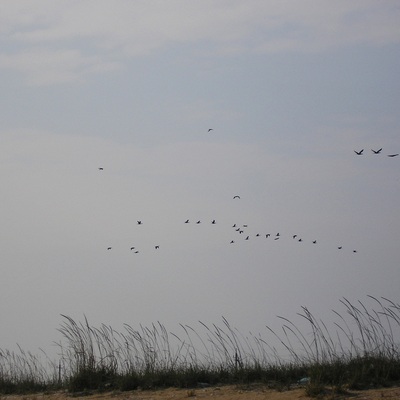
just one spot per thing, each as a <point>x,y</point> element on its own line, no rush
<point>361,350</point>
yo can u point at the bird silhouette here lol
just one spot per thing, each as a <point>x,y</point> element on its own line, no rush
<point>232,241</point>
<point>267,235</point>
<point>393,155</point>
<point>198,222</point>
<point>277,234</point>
<point>359,153</point>
<point>237,230</point>
<point>294,236</point>
<point>156,247</point>
<point>247,238</point>
<point>236,197</point>
<point>354,251</point>
<point>240,231</point>
<point>376,151</point>
<point>139,222</point>
<point>300,240</point>
<point>234,226</point>
<point>258,234</point>
<point>213,221</point>
<point>187,221</point>
<point>137,251</point>
<point>210,129</point>
<point>109,248</point>
<point>340,247</point>
<point>132,248</point>
<point>314,241</point>
<point>277,238</point>
<point>101,168</point>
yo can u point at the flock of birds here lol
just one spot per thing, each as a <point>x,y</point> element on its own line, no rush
<point>241,229</point>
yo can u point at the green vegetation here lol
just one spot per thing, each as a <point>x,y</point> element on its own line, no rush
<point>364,352</point>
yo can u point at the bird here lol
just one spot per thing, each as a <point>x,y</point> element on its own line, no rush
<point>237,230</point>
<point>294,236</point>
<point>232,241</point>
<point>258,234</point>
<point>247,238</point>
<point>187,221</point>
<point>393,155</point>
<point>213,221</point>
<point>267,235</point>
<point>245,226</point>
<point>139,222</point>
<point>359,153</point>
<point>210,129</point>
<point>109,248</point>
<point>156,247</point>
<point>314,241</point>
<point>132,248</point>
<point>137,251</point>
<point>376,151</point>
<point>277,234</point>
<point>276,238</point>
<point>354,251</point>
<point>236,197</point>
<point>101,168</point>
<point>340,247</point>
<point>240,231</point>
<point>234,226</point>
<point>198,222</point>
<point>300,240</point>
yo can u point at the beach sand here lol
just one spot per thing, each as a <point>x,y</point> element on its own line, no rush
<point>231,392</point>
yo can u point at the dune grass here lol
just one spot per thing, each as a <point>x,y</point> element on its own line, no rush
<point>361,350</point>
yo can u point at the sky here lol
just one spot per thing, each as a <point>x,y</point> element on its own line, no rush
<point>290,90</point>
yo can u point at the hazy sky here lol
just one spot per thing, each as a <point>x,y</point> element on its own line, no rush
<point>290,88</point>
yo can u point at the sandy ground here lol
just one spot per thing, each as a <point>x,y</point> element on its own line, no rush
<point>217,393</point>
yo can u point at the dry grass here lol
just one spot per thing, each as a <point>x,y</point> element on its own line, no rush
<point>362,350</point>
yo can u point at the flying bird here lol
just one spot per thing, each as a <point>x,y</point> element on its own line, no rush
<point>258,234</point>
<point>132,248</point>
<point>236,197</point>
<point>300,240</point>
<point>137,251</point>
<point>314,241</point>
<point>139,222</point>
<point>247,238</point>
<point>198,222</point>
<point>393,155</point>
<point>354,251</point>
<point>359,153</point>
<point>294,236</point>
<point>340,247</point>
<point>109,248</point>
<point>210,129</point>
<point>376,151</point>
<point>232,241</point>
<point>234,226</point>
<point>213,221</point>
<point>101,168</point>
<point>187,221</point>
<point>277,234</point>
<point>156,247</point>
<point>267,235</point>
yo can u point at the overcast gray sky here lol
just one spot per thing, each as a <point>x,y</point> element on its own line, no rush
<point>290,89</point>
